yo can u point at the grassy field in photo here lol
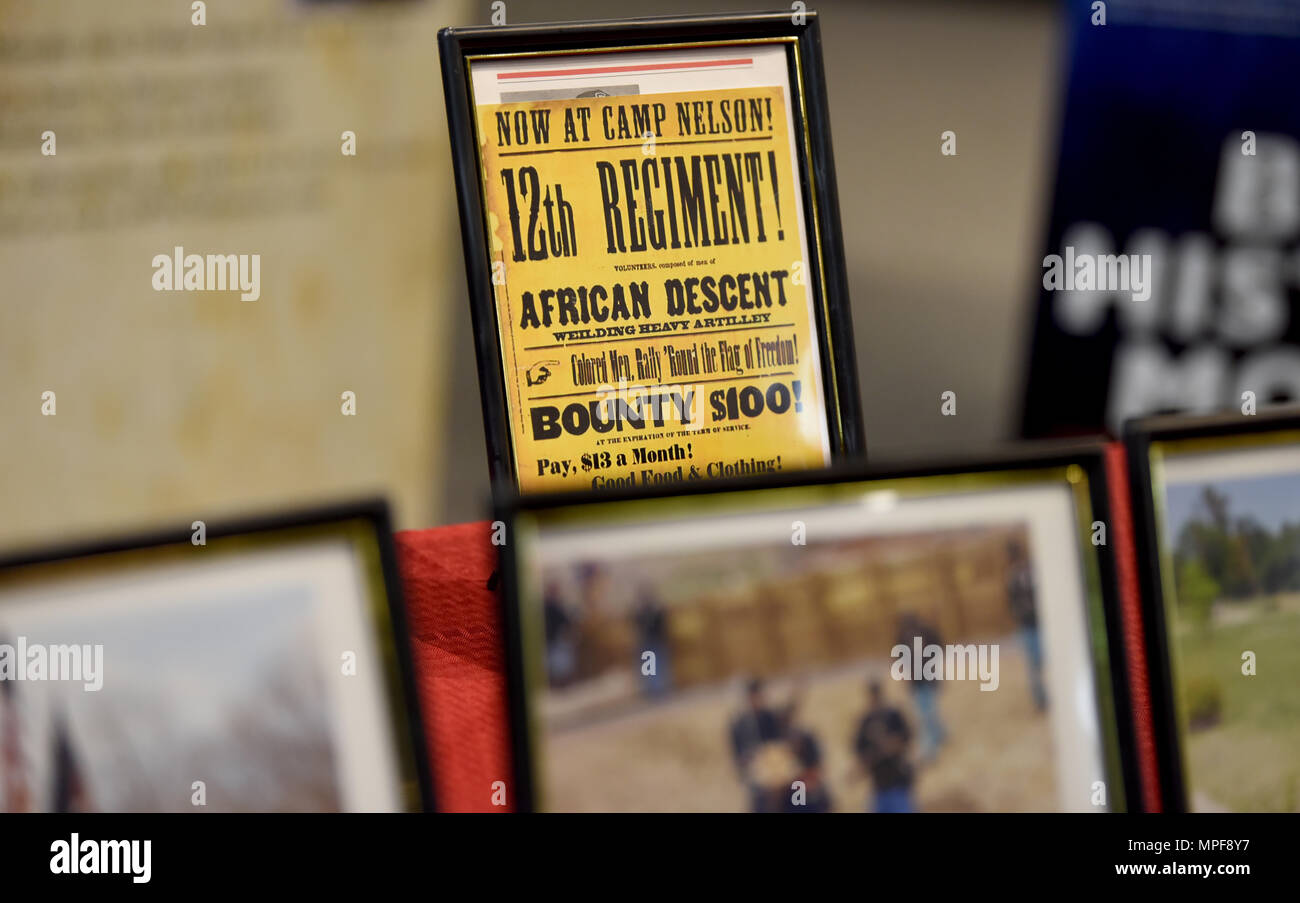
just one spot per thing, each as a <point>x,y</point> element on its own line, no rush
<point>1244,755</point>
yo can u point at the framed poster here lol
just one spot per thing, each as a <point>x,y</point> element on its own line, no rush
<point>1217,503</point>
<point>653,249</point>
<point>828,642</point>
<point>253,667</point>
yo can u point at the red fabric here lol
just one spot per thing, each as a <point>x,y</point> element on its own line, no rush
<point>456,642</point>
<point>1121,534</point>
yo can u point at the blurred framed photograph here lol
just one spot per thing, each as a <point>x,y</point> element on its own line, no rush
<point>1217,503</point>
<point>251,667</point>
<point>653,249</point>
<point>932,639</point>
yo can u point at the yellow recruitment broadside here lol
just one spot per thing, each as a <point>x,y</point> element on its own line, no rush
<point>651,285</point>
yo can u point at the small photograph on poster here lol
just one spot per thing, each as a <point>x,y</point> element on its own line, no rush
<point>570,93</point>
<point>1232,557</point>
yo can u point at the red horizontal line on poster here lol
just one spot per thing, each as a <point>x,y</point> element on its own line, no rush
<point>644,67</point>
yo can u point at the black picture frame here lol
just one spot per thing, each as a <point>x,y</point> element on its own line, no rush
<point>1088,454</point>
<point>815,165</point>
<point>400,682</point>
<point>1139,436</point>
